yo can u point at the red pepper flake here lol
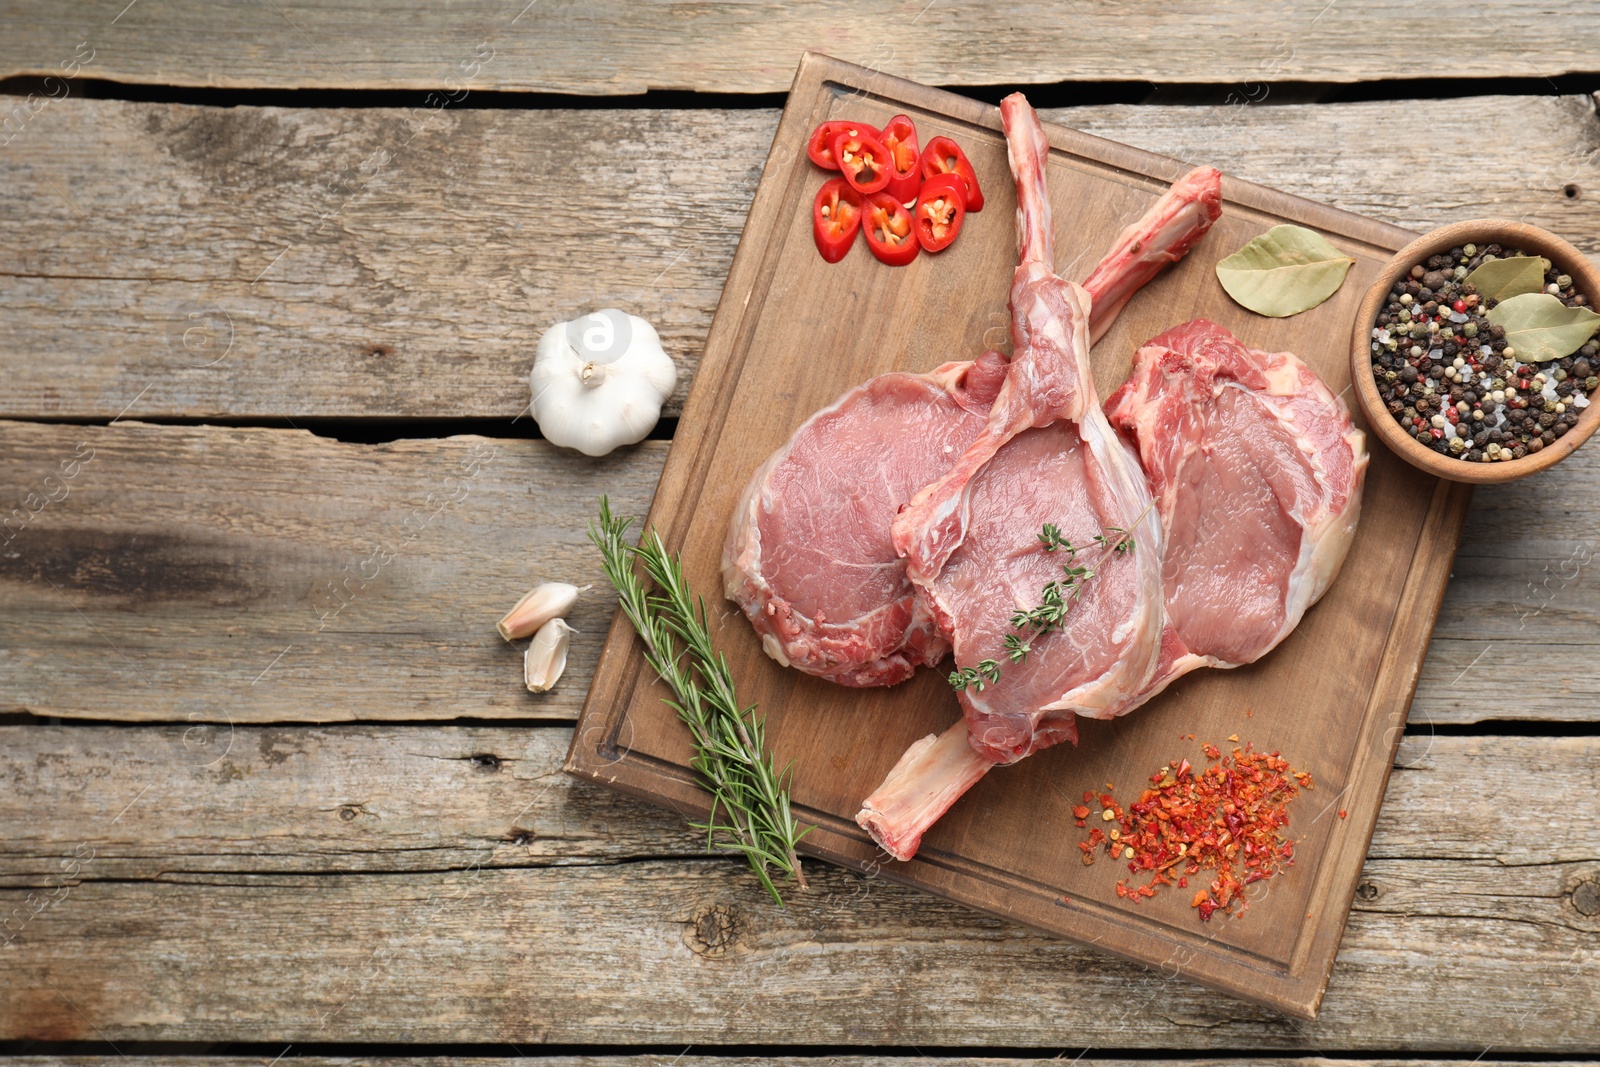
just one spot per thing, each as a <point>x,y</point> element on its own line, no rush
<point>1080,811</point>
<point>1343,814</point>
<point>1229,819</point>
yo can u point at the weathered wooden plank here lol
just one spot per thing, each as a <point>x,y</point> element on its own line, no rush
<point>346,799</point>
<point>200,916</point>
<point>267,262</point>
<point>311,800</point>
<point>615,48</point>
<point>202,552</point>
<point>1523,602</point>
<point>237,575</point>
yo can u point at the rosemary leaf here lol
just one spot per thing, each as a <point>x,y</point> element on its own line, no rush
<point>750,813</point>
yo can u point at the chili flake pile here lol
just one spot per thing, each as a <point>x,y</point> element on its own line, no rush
<point>1228,818</point>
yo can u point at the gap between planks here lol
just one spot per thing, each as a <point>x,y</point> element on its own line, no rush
<point>612,48</point>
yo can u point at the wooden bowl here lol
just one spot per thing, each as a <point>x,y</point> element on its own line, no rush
<point>1529,239</point>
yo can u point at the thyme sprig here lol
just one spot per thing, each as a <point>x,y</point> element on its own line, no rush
<point>986,672</point>
<point>750,811</point>
<point>1055,599</point>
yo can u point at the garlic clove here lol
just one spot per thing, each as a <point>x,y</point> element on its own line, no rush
<point>539,606</point>
<point>546,657</point>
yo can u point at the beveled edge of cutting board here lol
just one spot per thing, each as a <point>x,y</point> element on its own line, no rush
<point>599,754</point>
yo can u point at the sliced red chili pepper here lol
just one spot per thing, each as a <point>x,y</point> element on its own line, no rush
<point>864,161</point>
<point>941,205</point>
<point>835,218</point>
<point>888,228</point>
<point>820,147</point>
<point>905,176</point>
<point>943,156</point>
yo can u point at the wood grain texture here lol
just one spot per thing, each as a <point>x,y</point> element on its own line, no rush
<point>613,48</point>
<point>232,902</point>
<point>1525,580</point>
<point>384,799</point>
<point>202,574</point>
<point>260,262</point>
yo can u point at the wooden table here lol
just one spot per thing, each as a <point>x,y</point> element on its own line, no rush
<point>263,792</point>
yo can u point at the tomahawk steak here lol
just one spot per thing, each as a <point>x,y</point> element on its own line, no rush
<point>971,540</point>
<point>1256,470</point>
<point>808,555</point>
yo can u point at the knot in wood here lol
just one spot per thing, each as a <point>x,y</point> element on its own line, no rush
<point>347,813</point>
<point>1367,891</point>
<point>712,931</point>
<point>1586,897</point>
<point>485,762</point>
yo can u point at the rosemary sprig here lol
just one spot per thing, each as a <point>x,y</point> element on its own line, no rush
<point>747,790</point>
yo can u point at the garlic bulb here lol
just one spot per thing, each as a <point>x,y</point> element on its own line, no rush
<point>599,381</point>
<point>548,601</point>
<point>546,657</point>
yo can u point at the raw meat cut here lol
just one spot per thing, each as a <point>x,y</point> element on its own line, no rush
<point>808,555</point>
<point>1164,235</point>
<point>971,544</point>
<point>1257,470</point>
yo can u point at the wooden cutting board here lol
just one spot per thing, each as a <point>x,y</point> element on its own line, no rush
<point>792,332</point>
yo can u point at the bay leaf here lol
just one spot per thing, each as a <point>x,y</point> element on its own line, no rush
<point>1502,279</point>
<point>1287,270</point>
<point>1542,328</point>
